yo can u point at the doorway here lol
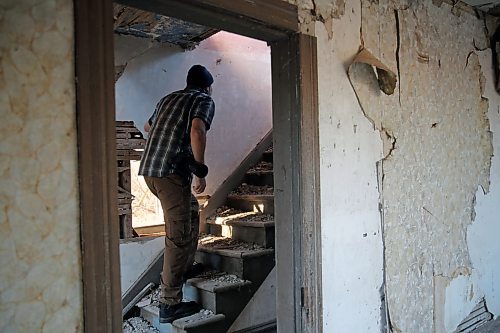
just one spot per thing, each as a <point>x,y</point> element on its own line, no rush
<point>296,151</point>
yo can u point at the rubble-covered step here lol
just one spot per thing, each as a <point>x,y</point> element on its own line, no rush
<point>247,261</point>
<point>249,227</point>
<point>252,198</point>
<point>268,155</point>
<point>259,178</point>
<point>262,203</point>
<point>220,293</point>
<point>248,189</point>
<point>203,321</point>
<point>138,325</point>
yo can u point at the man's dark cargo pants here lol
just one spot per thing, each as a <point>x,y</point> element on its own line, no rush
<point>180,210</point>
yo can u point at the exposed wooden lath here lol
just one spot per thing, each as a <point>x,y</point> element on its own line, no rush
<point>141,23</point>
<point>478,316</point>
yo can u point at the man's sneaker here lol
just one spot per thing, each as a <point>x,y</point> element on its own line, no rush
<point>169,313</point>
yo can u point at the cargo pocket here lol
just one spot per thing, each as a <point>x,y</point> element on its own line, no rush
<point>178,233</point>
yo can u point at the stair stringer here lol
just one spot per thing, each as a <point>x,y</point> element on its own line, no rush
<point>256,314</point>
<point>234,180</point>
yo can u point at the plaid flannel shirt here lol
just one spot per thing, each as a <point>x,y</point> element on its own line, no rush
<point>170,131</point>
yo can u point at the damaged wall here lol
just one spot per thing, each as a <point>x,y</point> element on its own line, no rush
<point>437,151</point>
<point>436,143</point>
<point>40,270</point>
<point>242,91</point>
<point>464,292</point>
<point>350,220</point>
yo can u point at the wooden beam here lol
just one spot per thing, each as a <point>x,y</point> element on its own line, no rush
<point>286,155</point>
<point>260,19</point>
<point>234,179</point>
<point>97,166</point>
<point>296,179</point>
<point>311,295</point>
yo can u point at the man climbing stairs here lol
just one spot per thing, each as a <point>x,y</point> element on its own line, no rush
<point>238,253</point>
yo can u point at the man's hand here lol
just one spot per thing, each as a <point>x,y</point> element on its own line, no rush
<point>199,185</point>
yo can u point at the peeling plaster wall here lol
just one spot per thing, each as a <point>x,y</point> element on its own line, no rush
<point>431,149</point>
<point>40,278</point>
<point>242,91</point>
<point>437,150</point>
<point>461,294</point>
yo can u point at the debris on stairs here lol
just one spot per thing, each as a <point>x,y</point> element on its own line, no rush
<point>238,253</point>
<point>138,325</point>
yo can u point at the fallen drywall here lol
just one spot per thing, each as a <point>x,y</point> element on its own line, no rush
<point>437,149</point>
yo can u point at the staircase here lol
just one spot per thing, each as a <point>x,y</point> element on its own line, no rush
<point>239,252</point>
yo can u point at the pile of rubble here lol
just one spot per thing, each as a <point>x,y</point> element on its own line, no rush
<point>261,166</point>
<point>246,189</point>
<point>138,325</point>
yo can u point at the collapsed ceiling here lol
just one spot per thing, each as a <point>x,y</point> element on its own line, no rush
<point>489,6</point>
<point>140,23</point>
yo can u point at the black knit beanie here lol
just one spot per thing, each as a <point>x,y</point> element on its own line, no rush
<point>199,76</point>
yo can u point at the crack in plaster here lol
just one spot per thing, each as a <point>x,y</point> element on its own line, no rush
<point>421,265</point>
<point>398,45</point>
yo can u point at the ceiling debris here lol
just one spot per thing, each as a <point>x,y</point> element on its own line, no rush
<point>164,29</point>
<point>489,6</point>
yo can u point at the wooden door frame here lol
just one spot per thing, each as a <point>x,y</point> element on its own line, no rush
<point>296,151</point>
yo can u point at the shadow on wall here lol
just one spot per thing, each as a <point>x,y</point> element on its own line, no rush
<point>242,91</point>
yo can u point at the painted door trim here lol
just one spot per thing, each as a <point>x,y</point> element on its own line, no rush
<point>296,154</point>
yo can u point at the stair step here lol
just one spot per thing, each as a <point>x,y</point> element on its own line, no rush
<point>262,166</point>
<point>249,227</point>
<point>247,261</point>
<point>268,155</point>
<point>263,203</point>
<point>248,189</point>
<point>197,323</point>
<point>201,323</point>
<point>223,293</point>
<point>265,177</point>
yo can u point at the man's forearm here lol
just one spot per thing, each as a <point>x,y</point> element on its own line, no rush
<point>198,144</point>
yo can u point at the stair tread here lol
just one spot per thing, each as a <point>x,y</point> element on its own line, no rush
<point>250,196</point>
<point>246,189</point>
<point>237,253</point>
<point>260,172</point>
<point>220,282</point>
<point>235,217</point>
<point>262,166</point>
<point>198,319</point>
<point>203,317</point>
<point>244,223</point>
<point>231,248</point>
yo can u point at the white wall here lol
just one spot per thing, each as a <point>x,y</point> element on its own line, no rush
<point>242,91</point>
<point>436,256</point>
<point>350,219</point>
